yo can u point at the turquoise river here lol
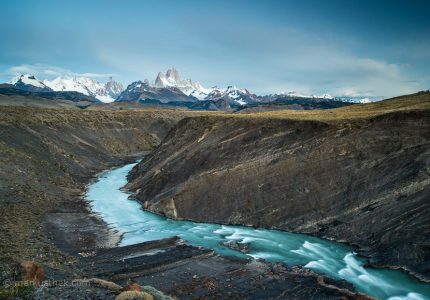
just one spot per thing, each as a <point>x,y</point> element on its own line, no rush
<point>333,259</point>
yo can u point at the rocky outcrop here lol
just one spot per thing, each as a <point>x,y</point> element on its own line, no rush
<point>188,272</point>
<point>359,174</point>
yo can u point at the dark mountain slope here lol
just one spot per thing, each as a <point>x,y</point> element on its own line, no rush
<point>10,90</point>
<point>139,90</point>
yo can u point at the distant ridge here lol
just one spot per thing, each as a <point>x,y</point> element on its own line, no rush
<point>169,89</point>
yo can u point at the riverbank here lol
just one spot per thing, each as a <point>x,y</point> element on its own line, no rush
<point>185,271</point>
<point>335,260</point>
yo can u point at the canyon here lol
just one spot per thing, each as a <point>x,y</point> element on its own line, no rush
<point>357,174</point>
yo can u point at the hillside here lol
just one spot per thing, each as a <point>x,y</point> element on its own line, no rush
<point>357,174</point>
<point>47,157</point>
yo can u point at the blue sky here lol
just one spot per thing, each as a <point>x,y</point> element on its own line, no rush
<point>379,48</point>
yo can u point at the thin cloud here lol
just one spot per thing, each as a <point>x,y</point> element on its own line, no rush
<point>46,72</point>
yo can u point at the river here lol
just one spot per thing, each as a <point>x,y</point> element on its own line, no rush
<point>333,259</point>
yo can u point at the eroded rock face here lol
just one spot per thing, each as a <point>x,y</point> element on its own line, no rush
<point>364,181</point>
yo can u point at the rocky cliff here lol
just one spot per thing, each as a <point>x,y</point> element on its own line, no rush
<point>358,174</point>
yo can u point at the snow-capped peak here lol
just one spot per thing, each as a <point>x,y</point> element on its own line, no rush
<point>325,96</point>
<point>360,99</point>
<point>302,95</point>
<point>82,85</point>
<point>293,94</point>
<point>173,75</point>
<point>27,79</point>
<point>113,88</point>
<point>188,87</point>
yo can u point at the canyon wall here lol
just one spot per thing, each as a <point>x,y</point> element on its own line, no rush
<point>360,175</point>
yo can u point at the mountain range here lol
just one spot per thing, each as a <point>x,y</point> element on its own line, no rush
<point>107,92</point>
<point>169,89</point>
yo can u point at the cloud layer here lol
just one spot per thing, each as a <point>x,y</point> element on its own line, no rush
<point>49,72</point>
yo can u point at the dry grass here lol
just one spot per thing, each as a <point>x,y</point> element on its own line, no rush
<point>418,101</point>
<point>43,115</point>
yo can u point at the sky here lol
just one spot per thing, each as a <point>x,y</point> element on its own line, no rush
<point>344,48</point>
